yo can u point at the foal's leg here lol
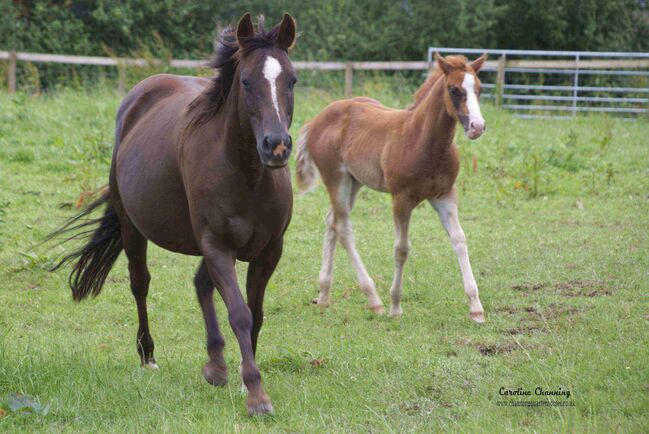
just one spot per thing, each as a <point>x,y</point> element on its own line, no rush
<point>342,203</point>
<point>328,253</point>
<point>329,250</point>
<point>401,211</point>
<point>447,209</point>
<point>135,246</point>
<point>220,266</point>
<point>215,370</point>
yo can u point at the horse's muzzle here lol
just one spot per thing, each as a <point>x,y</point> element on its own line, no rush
<point>276,149</point>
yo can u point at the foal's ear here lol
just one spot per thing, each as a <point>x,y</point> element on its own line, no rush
<point>286,38</point>
<point>245,29</point>
<point>442,63</point>
<point>479,62</point>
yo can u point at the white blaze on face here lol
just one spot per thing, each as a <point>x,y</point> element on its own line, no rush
<point>476,121</point>
<point>272,69</point>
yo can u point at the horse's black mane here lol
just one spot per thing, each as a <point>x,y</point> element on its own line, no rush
<point>227,52</point>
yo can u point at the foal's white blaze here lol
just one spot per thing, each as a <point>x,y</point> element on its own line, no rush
<point>272,69</point>
<point>476,121</point>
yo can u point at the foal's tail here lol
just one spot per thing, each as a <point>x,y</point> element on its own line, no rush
<point>306,170</point>
<point>93,261</point>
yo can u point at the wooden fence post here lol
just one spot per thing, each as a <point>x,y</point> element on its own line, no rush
<point>349,77</point>
<point>500,80</point>
<point>11,73</point>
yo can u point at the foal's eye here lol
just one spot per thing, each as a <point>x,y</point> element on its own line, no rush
<point>455,91</point>
<point>291,83</point>
<point>245,83</point>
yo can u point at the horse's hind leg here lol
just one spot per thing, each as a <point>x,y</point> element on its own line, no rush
<point>401,209</point>
<point>342,202</point>
<point>135,247</point>
<point>215,370</point>
<point>328,252</point>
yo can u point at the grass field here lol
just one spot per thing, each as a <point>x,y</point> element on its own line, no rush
<point>556,216</point>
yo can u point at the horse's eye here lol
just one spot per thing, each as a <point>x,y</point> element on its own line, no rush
<point>291,84</point>
<point>245,83</point>
<point>455,91</point>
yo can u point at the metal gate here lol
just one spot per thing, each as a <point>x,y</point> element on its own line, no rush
<point>561,84</point>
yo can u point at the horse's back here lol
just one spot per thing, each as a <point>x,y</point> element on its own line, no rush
<point>146,171</point>
<point>151,92</point>
<point>353,132</point>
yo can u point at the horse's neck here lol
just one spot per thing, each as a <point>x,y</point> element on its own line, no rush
<point>240,145</point>
<point>437,128</point>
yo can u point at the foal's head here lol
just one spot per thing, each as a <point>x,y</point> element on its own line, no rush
<point>463,90</point>
<point>266,80</point>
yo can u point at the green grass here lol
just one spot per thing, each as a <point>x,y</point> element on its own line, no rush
<point>556,218</point>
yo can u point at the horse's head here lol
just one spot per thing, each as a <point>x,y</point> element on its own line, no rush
<point>266,80</point>
<point>463,89</point>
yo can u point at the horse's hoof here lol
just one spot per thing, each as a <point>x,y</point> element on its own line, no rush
<point>259,406</point>
<point>378,309</point>
<point>396,311</point>
<point>214,374</point>
<point>477,317</point>
<point>317,302</point>
<point>152,365</point>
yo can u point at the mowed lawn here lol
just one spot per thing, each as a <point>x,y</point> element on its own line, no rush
<point>557,219</point>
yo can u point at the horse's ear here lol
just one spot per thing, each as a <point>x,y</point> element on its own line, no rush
<point>442,63</point>
<point>479,62</point>
<point>245,29</point>
<point>286,38</point>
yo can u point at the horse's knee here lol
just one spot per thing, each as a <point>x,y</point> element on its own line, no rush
<point>240,318</point>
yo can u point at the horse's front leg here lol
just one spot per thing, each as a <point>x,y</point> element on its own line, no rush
<point>220,262</point>
<point>259,272</point>
<point>215,370</point>
<point>446,207</point>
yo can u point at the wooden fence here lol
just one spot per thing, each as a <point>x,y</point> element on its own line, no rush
<point>499,65</point>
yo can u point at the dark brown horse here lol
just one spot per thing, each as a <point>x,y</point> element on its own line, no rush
<point>199,168</point>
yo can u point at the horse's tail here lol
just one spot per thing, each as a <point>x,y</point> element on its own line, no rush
<point>100,251</point>
<point>306,170</point>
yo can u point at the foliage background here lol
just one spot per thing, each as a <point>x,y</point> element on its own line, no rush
<point>330,30</point>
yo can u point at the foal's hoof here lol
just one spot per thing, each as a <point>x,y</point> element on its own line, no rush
<point>259,406</point>
<point>378,309</point>
<point>477,317</point>
<point>317,302</point>
<point>214,374</point>
<point>396,311</point>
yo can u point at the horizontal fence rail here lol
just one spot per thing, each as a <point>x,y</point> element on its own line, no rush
<point>544,84</point>
<point>531,83</point>
<point>13,57</point>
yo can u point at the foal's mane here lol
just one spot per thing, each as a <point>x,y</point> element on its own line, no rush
<point>457,62</point>
<point>224,60</point>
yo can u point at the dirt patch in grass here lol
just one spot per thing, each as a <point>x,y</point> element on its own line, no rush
<point>530,319</point>
<point>490,349</point>
<point>525,330</point>
<point>572,288</point>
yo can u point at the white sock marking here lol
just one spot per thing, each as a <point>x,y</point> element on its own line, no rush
<point>475,115</point>
<point>272,69</point>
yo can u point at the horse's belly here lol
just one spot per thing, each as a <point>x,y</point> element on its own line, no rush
<point>368,174</point>
<point>153,196</point>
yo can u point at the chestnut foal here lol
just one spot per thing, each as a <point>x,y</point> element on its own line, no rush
<point>407,153</point>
